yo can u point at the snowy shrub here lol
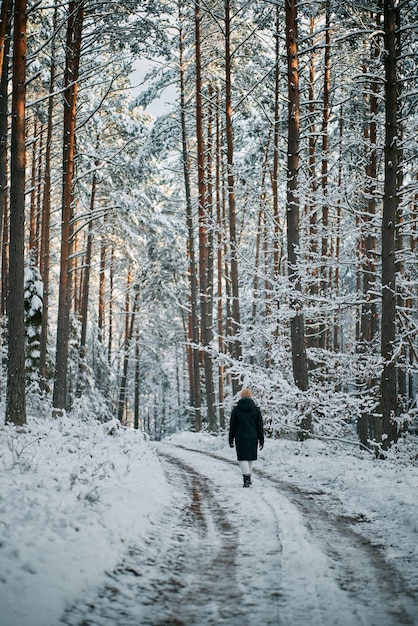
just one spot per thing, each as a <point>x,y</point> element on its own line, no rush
<point>33,319</point>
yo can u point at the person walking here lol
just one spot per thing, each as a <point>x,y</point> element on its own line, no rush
<point>246,429</point>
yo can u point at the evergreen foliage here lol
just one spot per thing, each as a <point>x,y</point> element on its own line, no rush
<point>136,205</point>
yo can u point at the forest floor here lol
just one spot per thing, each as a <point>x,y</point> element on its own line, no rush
<point>102,527</point>
<point>277,553</point>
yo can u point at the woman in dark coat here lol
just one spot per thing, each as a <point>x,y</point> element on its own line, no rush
<point>246,428</point>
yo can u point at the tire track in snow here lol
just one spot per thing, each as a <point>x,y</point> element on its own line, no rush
<point>331,575</point>
<point>229,556</point>
<point>184,575</point>
<point>232,591</point>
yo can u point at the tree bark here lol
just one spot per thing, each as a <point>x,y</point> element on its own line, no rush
<point>390,203</point>
<point>110,325</point>
<point>102,287</point>
<point>87,267</point>
<point>369,312</point>
<point>46,215</point>
<point>193,349</point>
<point>297,326</point>
<point>219,261</point>
<point>137,381</point>
<point>235,321</point>
<point>32,212</point>
<point>4,15</point>
<point>323,329</point>
<point>129,328</point>
<point>276,135</point>
<point>206,329</point>
<point>73,50</point>
<point>16,398</point>
<point>312,330</point>
<point>4,221</point>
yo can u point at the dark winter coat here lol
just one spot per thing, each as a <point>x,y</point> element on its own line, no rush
<point>246,428</point>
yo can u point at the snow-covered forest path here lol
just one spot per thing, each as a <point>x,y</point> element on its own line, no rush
<point>268,555</point>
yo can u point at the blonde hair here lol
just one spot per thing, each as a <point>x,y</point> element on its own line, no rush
<point>246,393</point>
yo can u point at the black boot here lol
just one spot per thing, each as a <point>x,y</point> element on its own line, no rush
<point>247,480</point>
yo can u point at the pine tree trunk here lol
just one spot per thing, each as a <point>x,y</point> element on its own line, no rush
<point>46,216</point>
<point>297,326</point>
<point>110,325</point>
<point>129,329</point>
<point>87,267</point>
<point>369,312</point>
<point>32,211</point>
<point>324,329</point>
<point>4,17</point>
<point>4,221</point>
<point>276,135</point>
<point>210,390</point>
<point>390,201</point>
<point>137,380</point>
<point>16,398</point>
<point>193,350</point>
<point>219,262</point>
<point>206,331</point>
<point>235,321</point>
<point>122,388</point>
<point>75,284</point>
<point>312,331</point>
<point>261,220</point>
<point>73,50</point>
<point>102,288</point>
<point>368,319</point>
<point>38,203</point>
<point>336,333</point>
<point>402,382</point>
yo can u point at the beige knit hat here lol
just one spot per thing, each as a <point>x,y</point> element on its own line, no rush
<point>246,393</point>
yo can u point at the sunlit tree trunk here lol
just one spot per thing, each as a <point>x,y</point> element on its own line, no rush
<point>297,326</point>
<point>16,397</point>
<point>73,50</point>
<point>205,305</point>
<point>4,15</point>
<point>4,217</point>
<point>193,350</point>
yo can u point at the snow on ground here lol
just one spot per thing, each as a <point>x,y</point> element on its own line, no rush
<point>73,497</point>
